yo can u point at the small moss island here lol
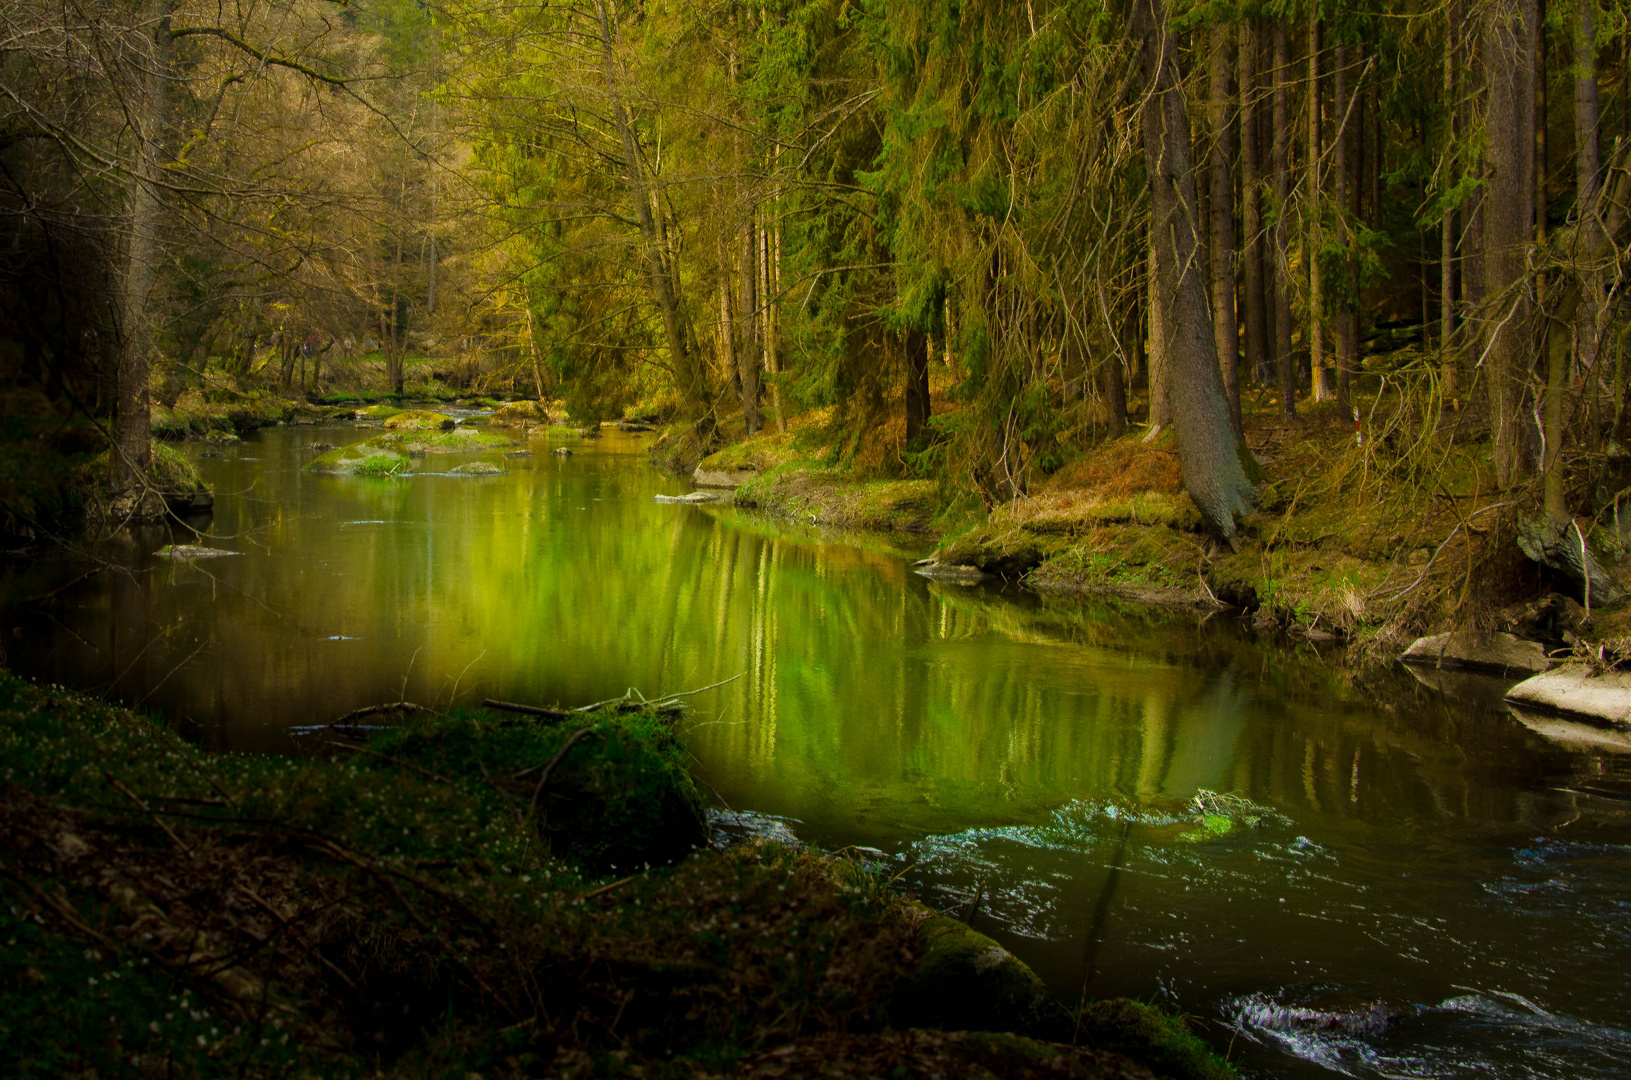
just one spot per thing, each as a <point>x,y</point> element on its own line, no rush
<point>476,893</point>
<point>415,434</point>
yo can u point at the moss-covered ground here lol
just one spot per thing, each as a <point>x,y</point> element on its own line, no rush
<point>1371,536</point>
<point>473,893</point>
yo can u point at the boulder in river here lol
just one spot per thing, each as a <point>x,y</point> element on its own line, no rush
<point>477,468</point>
<point>693,497</point>
<point>940,571</point>
<point>1467,650</point>
<point>1578,690</point>
<point>722,478</point>
<point>520,414</point>
<point>420,420</point>
<point>967,982</point>
<point>563,451</point>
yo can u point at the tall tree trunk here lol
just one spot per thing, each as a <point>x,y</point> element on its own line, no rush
<point>1591,321</point>
<point>1346,338</point>
<point>747,353</point>
<point>132,416</point>
<point>660,272</point>
<point>1113,377</point>
<point>727,325</point>
<point>1281,164</point>
<point>1538,43</point>
<point>1446,247</point>
<point>1251,207</point>
<point>917,387</point>
<point>1160,403</point>
<point>1318,375</point>
<point>1225,327</point>
<point>1208,448</point>
<point>1508,212</point>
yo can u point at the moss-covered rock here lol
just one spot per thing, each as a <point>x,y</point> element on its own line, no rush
<point>377,412</point>
<point>384,456</point>
<point>520,414</point>
<point>1146,1034</point>
<point>617,797</point>
<point>1010,555</point>
<point>964,981</point>
<point>815,496</point>
<point>420,420</point>
<point>477,468</point>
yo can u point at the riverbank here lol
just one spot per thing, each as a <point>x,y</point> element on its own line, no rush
<point>454,896</point>
<point>1355,537</point>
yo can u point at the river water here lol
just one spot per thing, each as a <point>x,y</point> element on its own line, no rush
<point>1385,881</point>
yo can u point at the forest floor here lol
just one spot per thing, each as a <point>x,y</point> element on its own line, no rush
<point>453,896</point>
<point>1360,533</point>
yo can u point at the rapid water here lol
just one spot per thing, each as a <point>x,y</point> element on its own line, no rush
<point>1374,881</point>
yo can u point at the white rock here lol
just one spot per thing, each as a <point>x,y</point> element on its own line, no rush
<point>694,497</point>
<point>1577,690</point>
<point>1470,651</point>
<point>722,478</point>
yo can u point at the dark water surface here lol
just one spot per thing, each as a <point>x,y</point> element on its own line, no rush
<point>1384,881</point>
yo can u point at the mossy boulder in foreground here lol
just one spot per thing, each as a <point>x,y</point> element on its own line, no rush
<point>389,910</point>
<point>967,982</point>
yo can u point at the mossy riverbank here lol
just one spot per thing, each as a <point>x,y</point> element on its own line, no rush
<point>473,893</point>
<point>1355,538</point>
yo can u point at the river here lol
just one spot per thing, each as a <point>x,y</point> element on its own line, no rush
<point>1372,880</point>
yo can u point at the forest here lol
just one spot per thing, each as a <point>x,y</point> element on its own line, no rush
<point>965,242</point>
<point>1008,445</point>
<point>1071,215</point>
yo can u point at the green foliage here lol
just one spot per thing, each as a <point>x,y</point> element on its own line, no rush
<point>380,465</point>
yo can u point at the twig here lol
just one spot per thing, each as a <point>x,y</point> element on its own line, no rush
<point>421,770</point>
<point>148,810</point>
<point>604,889</point>
<point>528,710</point>
<point>543,777</point>
<point>62,908</point>
<point>66,585</point>
<point>371,710</point>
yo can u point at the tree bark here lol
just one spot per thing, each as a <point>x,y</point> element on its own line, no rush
<point>1209,450</point>
<point>1251,207</point>
<point>132,417</point>
<point>917,387</point>
<point>1508,213</point>
<point>1591,320</point>
<point>1281,164</point>
<point>1225,327</point>
<point>1160,404</point>
<point>659,268</point>
<point>747,353</point>
<point>1113,382</point>
<point>1342,166</point>
<point>1318,375</point>
<point>1446,248</point>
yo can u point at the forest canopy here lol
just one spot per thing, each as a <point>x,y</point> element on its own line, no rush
<point>960,239</point>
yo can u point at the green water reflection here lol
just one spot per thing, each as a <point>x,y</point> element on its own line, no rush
<point>981,734</point>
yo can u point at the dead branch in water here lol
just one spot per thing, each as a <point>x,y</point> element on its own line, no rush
<point>373,710</point>
<point>526,710</point>
<point>631,701</point>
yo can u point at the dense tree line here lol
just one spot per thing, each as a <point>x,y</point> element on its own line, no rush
<point>1071,215</point>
